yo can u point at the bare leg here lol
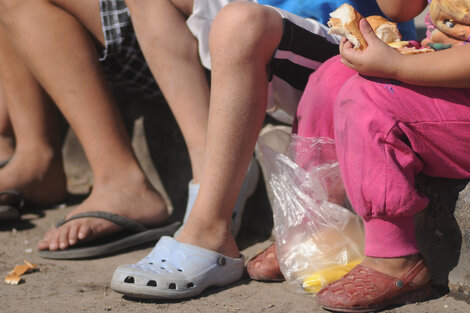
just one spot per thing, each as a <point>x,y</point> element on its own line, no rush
<point>243,39</point>
<point>7,146</point>
<point>63,58</point>
<point>176,67</point>
<point>36,168</point>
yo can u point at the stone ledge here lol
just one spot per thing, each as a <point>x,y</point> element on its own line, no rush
<point>443,232</point>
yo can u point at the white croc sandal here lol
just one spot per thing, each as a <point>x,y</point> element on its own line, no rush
<point>174,270</point>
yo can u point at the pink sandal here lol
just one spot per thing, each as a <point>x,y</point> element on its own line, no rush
<point>364,289</point>
<point>265,266</point>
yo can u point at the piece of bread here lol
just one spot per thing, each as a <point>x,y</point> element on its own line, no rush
<point>405,47</point>
<point>344,21</point>
<point>398,44</point>
<point>413,50</point>
<point>384,29</point>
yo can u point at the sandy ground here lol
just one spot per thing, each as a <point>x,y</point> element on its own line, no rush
<point>83,286</point>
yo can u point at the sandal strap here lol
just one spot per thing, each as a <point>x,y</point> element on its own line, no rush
<point>18,199</point>
<point>119,220</point>
<point>11,192</point>
<point>408,277</point>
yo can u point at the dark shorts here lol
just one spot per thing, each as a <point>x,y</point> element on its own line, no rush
<point>121,57</point>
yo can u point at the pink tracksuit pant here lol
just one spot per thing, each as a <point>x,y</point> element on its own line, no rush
<point>386,132</point>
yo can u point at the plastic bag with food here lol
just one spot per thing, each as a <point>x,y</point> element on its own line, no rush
<point>318,239</point>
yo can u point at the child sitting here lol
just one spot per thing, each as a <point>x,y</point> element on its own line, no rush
<point>390,120</point>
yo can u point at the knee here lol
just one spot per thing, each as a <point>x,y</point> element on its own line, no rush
<point>346,104</point>
<point>360,110</point>
<point>244,30</point>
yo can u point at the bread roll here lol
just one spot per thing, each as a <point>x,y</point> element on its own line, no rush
<point>344,21</point>
<point>384,29</point>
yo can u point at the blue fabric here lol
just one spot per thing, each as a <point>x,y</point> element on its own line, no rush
<point>320,9</point>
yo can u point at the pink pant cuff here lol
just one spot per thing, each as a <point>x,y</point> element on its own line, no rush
<point>390,237</point>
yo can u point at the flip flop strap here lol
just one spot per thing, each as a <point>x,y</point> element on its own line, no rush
<point>19,201</point>
<point>119,220</point>
<point>11,192</point>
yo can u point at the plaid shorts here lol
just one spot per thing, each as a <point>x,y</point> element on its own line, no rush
<point>122,58</point>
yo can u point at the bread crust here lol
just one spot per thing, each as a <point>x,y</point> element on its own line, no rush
<point>384,29</point>
<point>344,21</point>
<point>376,20</point>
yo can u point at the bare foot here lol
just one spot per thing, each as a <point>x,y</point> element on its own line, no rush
<point>209,235</point>
<point>135,200</point>
<point>396,267</point>
<point>38,174</point>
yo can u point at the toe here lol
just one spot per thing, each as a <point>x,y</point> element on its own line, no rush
<point>85,231</point>
<point>64,237</point>
<point>54,241</point>
<point>73,234</point>
<point>44,243</point>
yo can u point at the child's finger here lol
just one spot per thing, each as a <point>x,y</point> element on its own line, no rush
<point>344,44</point>
<point>367,31</point>
<point>347,50</point>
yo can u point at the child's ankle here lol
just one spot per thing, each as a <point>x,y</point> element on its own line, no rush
<point>396,267</point>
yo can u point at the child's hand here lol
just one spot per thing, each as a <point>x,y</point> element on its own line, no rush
<point>378,59</point>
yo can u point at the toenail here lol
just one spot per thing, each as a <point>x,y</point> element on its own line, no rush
<point>63,245</point>
<point>72,241</point>
<point>53,246</point>
<point>81,235</point>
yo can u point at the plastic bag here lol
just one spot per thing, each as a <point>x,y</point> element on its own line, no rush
<point>317,240</point>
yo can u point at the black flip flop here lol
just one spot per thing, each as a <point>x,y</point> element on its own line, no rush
<point>133,235</point>
<point>11,211</point>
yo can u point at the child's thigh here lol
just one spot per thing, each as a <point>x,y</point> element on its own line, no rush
<point>314,116</point>
<point>434,122</point>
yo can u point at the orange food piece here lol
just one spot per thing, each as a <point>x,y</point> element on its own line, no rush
<point>14,277</point>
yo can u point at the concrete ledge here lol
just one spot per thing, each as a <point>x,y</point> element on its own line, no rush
<point>443,232</point>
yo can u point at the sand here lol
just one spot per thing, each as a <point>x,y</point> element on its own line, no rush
<point>83,286</point>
